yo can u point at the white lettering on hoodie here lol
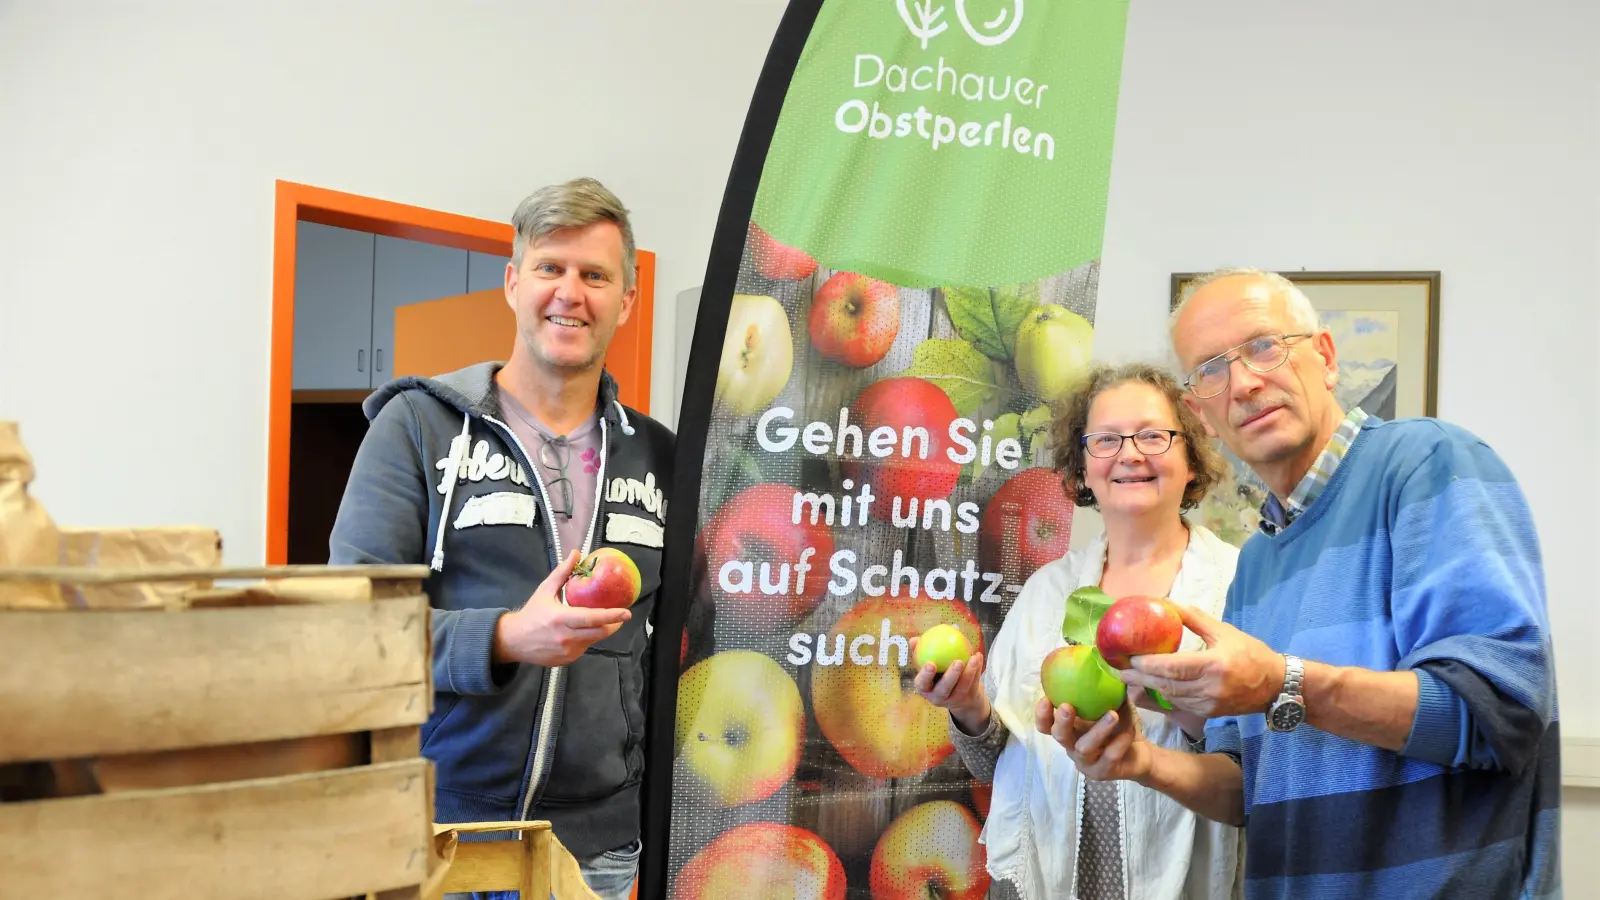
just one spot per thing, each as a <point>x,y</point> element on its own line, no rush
<point>479,465</point>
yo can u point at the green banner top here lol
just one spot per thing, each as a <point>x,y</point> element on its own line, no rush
<point>936,143</point>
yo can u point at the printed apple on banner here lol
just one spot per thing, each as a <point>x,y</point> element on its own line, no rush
<point>740,725</point>
<point>757,354</point>
<point>1027,523</point>
<point>761,860</point>
<point>769,569</point>
<point>854,319</point>
<point>931,850</point>
<point>863,699</point>
<point>900,406</point>
<point>775,259</point>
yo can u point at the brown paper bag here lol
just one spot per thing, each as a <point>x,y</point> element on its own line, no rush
<point>28,536</point>
<point>137,548</point>
<point>496,865</point>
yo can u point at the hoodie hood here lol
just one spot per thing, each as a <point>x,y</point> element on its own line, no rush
<point>471,391</point>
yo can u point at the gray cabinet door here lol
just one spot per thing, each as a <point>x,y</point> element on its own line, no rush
<point>332,308</point>
<point>485,272</point>
<point>408,272</point>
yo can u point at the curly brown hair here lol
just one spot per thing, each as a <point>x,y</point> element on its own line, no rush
<point>1071,421</point>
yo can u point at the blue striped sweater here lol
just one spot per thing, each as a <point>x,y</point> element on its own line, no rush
<point>1419,554</point>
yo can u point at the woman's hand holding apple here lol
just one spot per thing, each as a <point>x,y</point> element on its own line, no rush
<point>547,632</point>
<point>1111,749</point>
<point>959,690</point>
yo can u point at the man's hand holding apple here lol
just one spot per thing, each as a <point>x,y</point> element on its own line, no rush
<point>1235,674</point>
<point>959,690</point>
<point>1111,749</point>
<point>547,632</point>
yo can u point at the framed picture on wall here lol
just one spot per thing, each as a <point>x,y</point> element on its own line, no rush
<point>1385,327</point>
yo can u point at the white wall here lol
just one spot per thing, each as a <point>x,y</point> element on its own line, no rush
<point>1376,134</point>
<point>140,144</point>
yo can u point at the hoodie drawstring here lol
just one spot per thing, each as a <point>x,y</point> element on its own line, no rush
<point>458,454</point>
<point>623,415</point>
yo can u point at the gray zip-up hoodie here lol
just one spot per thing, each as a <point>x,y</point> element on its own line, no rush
<point>441,479</point>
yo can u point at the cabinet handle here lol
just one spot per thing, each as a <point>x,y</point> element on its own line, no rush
<point>361,360</point>
<point>377,360</point>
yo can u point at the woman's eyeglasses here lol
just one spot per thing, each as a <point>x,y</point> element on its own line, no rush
<point>1150,442</point>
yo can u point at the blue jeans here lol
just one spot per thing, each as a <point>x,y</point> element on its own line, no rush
<point>609,874</point>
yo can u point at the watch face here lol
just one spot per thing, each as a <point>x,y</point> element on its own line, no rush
<point>1287,715</point>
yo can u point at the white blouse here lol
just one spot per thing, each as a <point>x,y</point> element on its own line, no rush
<point>1032,832</point>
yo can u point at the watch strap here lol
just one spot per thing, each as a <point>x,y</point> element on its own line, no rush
<point>1294,673</point>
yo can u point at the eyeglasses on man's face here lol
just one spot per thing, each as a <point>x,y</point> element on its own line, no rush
<point>1261,354</point>
<point>1150,442</point>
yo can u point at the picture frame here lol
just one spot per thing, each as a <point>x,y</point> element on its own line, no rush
<point>1385,327</point>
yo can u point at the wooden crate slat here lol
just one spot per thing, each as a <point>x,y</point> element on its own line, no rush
<point>396,743</point>
<point>102,682</point>
<point>344,833</point>
<point>107,575</point>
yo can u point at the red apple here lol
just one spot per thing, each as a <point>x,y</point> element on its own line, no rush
<point>762,860</point>
<point>897,404</point>
<point>775,259</point>
<point>931,850</point>
<point>854,319</point>
<point>756,526</point>
<point>606,578</point>
<point>1077,676</point>
<point>1027,523</point>
<point>1136,626</point>
<point>872,713</point>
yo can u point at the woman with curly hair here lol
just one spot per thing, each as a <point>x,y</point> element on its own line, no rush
<point>1128,446</point>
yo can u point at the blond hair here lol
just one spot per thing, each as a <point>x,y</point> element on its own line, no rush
<point>572,204</point>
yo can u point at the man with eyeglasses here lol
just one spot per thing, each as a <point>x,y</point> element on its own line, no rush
<point>1380,695</point>
<point>502,477</point>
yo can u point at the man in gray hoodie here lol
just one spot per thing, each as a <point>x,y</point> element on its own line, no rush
<point>501,477</point>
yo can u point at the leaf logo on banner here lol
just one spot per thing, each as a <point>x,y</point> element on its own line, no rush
<point>992,33</point>
<point>957,369</point>
<point>989,319</point>
<point>922,26</point>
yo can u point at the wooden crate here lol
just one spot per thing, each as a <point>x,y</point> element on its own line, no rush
<point>258,738</point>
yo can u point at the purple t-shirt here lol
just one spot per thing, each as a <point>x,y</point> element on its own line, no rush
<point>569,466</point>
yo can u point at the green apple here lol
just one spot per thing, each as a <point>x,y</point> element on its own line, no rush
<point>941,645</point>
<point>1078,676</point>
<point>757,354</point>
<point>1053,351</point>
<point>740,725</point>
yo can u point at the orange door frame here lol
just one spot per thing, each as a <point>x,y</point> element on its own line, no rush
<point>628,358</point>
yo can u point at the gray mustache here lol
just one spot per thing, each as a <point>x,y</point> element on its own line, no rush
<point>1259,406</point>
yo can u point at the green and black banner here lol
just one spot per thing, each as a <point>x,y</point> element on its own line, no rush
<point>902,282</point>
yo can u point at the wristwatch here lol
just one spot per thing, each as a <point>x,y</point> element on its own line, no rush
<point>1289,710</point>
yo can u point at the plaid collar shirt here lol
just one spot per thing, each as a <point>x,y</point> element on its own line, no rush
<point>1275,516</point>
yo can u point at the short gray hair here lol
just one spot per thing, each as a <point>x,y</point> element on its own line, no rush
<point>572,204</point>
<point>1305,315</point>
